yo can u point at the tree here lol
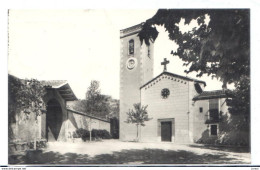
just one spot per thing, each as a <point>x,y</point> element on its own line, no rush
<point>138,116</point>
<point>114,109</point>
<point>95,104</point>
<point>239,103</point>
<point>219,48</point>
<point>25,97</point>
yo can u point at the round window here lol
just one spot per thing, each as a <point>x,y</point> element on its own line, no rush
<point>165,93</point>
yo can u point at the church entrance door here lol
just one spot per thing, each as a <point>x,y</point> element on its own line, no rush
<point>53,120</point>
<point>166,131</point>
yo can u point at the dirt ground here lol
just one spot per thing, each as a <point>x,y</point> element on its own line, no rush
<point>109,152</point>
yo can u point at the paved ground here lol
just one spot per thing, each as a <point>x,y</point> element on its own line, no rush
<point>117,152</point>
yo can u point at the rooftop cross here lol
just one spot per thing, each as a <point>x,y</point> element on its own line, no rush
<point>165,62</point>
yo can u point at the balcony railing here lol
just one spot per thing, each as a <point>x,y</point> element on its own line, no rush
<point>213,116</point>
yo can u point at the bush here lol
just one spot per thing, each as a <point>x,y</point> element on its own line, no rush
<point>104,134</point>
<point>239,138</point>
<point>82,133</point>
<point>96,134</point>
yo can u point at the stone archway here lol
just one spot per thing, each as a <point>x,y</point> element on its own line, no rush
<point>53,120</point>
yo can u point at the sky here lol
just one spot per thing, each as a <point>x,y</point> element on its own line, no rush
<point>82,45</point>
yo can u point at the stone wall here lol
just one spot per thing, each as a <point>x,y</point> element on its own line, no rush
<point>25,128</point>
<point>22,128</point>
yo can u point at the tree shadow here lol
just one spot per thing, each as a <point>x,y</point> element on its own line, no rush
<point>140,156</point>
<point>237,149</point>
<point>233,131</point>
<point>40,157</point>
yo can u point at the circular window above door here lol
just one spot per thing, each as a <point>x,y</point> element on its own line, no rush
<point>165,93</point>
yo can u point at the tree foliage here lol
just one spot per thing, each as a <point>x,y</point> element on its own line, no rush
<point>25,96</point>
<point>239,101</point>
<point>114,109</point>
<point>138,115</point>
<point>97,104</point>
<point>219,48</point>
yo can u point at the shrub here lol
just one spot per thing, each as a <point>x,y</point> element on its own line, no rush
<point>104,134</point>
<point>82,133</point>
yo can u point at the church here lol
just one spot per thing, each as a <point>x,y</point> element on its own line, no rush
<point>181,111</point>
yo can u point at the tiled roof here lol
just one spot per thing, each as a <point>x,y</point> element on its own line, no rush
<point>62,86</point>
<point>174,75</point>
<point>211,95</point>
<point>53,83</point>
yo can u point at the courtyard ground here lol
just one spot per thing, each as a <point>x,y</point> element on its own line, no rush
<point>131,153</point>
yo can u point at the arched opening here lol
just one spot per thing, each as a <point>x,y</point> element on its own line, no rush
<point>131,46</point>
<point>53,120</point>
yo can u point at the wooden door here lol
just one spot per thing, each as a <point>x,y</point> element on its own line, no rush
<point>166,131</point>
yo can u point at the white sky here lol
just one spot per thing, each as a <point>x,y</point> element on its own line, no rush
<point>80,46</point>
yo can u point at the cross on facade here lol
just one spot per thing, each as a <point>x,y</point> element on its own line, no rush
<point>165,62</point>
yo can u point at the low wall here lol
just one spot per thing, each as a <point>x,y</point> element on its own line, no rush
<point>78,120</point>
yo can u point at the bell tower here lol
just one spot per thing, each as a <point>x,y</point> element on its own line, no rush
<point>136,68</point>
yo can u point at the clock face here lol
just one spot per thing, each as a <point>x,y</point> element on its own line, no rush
<point>131,63</point>
<point>165,93</point>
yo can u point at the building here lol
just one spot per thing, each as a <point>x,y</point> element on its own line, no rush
<point>56,123</point>
<point>180,109</point>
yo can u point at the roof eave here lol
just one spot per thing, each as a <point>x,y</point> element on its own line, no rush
<point>209,97</point>
<point>72,97</point>
<point>175,75</point>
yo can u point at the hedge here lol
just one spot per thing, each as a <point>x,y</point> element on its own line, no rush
<point>84,134</point>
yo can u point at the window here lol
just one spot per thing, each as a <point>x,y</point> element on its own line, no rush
<point>131,46</point>
<point>213,104</point>
<point>148,52</point>
<point>213,109</point>
<point>213,129</point>
<point>201,109</point>
<point>165,93</point>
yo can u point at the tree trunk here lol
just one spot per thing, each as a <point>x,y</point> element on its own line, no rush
<point>137,137</point>
<point>35,136</point>
<point>90,130</point>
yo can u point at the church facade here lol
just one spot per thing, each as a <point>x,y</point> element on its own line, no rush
<point>181,111</point>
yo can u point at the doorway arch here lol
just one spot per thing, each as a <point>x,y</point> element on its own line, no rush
<point>53,120</point>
